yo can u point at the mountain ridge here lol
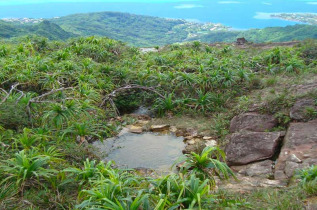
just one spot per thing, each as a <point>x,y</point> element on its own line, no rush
<point>148,31</point>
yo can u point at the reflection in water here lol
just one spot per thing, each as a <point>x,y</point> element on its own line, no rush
<point>147,150</point>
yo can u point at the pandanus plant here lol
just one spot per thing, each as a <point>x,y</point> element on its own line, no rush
<point>207,164</point>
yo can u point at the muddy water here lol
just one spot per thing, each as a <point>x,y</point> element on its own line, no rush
<point>147,150</point>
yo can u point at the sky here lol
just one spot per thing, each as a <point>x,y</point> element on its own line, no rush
<point>17,2</point>
<point>12,2</point>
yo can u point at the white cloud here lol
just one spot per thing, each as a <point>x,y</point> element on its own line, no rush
<point>188,6</point>
<point>229,2</point>
<point>267,3</point>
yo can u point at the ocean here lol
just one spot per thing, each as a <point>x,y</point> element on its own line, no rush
<point>239,14</point>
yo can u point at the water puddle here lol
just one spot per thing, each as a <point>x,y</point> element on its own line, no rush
<point>147,150</point>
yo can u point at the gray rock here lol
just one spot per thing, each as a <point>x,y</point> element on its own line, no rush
<point>247,184</point>
<point>211,143</point>
<point>260,169</point>
<point>301,142</point>
<point>252,122</point>
<point>249,147</point>
<point>293,158</point>
<point>298,111</point>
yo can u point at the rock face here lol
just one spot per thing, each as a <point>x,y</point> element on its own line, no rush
<point>299,150</point>
<point>298,111</point>
<point>249,147</point>
<point>252,122</point>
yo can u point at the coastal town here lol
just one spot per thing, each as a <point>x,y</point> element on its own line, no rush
<point>308,18</point>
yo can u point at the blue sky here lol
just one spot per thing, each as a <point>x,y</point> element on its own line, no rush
<point>12,2</point>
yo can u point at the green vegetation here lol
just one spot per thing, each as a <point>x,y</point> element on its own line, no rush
<point>271,34</point>
<point>46,29</point>
<point>146,31</point>
<point>308,179</point>
<point>56,98</point>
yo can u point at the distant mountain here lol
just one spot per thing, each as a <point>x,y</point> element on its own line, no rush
<point>45,28</point>
<point>139,30</point>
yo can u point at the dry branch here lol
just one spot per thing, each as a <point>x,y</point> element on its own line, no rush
<point>39,99</point>
<point>13,87</point>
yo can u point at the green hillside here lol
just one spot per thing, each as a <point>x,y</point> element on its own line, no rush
<point>46,29</point>
<point>59,97</point>
<point>271,34</point>
<point>136,29</point>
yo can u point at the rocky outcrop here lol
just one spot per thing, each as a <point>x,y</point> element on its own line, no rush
<point>299,110</point>
<point>299,150</point>
<point>248,147</point>
<point>252,122</point>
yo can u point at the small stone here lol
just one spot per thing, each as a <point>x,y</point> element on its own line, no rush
<point>211,143</point>
<point>191,142</point>
<point>207,138</point>
<point>143,122</point>
<point>173,129</point>
<point>136,129</point>
<point>295,159</point>
<point>159,128</point>
<point>186,138</point>
<point>180,165</point>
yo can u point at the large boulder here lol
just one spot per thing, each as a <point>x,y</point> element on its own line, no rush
<point>299,150</point>
<point>299,110</point>
<point>249,147</point>
<point>252,122</point>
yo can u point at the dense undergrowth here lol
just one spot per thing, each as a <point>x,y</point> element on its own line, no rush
<point>54,98</point>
